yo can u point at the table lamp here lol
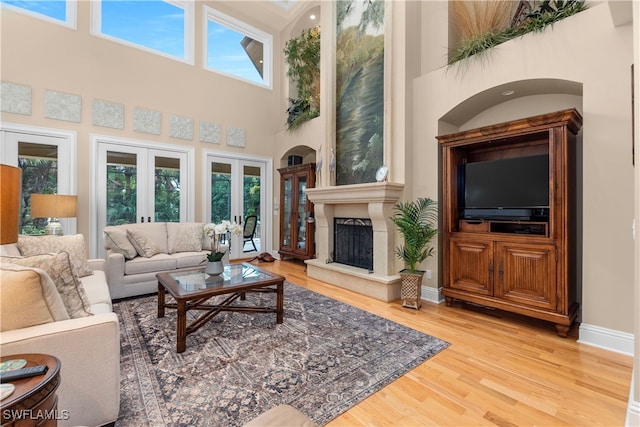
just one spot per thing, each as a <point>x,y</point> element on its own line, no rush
<point>53,206</point>
<point>10,188</point>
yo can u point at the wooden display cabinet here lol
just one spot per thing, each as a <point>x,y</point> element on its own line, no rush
<point>297,231</point>
<point>527,266</point>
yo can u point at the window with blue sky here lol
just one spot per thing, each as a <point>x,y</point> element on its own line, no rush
<point>57,11</point>
<point>237,49</point>
<point>164,27</point>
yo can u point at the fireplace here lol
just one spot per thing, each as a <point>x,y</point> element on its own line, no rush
<point>371,203</point>
<point>353,242</point>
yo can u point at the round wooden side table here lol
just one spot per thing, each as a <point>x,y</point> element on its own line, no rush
<point>34,401</point>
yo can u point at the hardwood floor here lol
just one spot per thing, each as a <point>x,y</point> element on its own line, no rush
<point>500,369</point>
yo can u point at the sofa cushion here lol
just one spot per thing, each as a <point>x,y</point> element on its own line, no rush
<point>184,237</point>
<point>156,263</point>
<point>145,246</point>
<point>156,231</point>
<point>190,259</point>
<point>96,289</point>
<point>28,297</point>
<point>58,267</point>
<point>115,239</point>
<point>73,245</point>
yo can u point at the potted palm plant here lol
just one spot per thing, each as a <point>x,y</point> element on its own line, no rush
<point>417,221</point>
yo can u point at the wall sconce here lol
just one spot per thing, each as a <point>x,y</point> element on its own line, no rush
<point>10,189</point>
<point>53,206</point>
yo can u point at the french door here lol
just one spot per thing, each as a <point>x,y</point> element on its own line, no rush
<point>236,190</point>
<point>138,182</point>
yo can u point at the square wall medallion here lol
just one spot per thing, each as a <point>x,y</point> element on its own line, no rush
<point>236,137</point>
<point>108,114</point>
<point>62,106</point>
<point>210,132</point>
<point>15,98</point>
<point>180,127</point>
<point>147,121</point>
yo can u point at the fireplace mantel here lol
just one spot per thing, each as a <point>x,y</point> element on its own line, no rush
<point>370,200</point>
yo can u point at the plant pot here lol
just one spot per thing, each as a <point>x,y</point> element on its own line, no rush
<point>411,290</point>
<point>214,268</point>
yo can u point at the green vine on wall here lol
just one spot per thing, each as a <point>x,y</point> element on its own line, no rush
<point>547,13</point>
<point>302,55</point>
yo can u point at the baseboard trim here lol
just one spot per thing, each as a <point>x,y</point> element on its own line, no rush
<point>633,408</point>
<point>432,294</point>
<point>608,339</point>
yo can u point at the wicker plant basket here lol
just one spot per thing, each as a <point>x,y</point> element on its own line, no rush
<point>411,290</point>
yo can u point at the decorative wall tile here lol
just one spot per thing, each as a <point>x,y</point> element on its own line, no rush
<point>62,106</point>
<point>236,137</point>
<point>147,121</point>
<point>108,114</point>
<point>210,132</point>
<point>180,127</point>
<point>15,98</point>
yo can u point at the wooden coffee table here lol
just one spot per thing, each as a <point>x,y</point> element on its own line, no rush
<point>191,289</point>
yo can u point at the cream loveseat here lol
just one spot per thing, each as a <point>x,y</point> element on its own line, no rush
<point>55,301</point>
<point>135,253</point>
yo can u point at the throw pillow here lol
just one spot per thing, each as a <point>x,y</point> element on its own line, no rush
<point>116,240</point>
<point>143,244</point>
<point>58,267</point>
<point>72,244</point>
<point>184,237</point>
<point>28,297</point>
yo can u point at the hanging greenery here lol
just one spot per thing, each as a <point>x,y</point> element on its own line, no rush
<point>302,55</point>
<point>548,12</point>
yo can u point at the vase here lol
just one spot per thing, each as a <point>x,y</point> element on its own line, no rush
<point>214,268</point>
<point>411,290</point>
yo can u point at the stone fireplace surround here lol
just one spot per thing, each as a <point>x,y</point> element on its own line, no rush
<point>371,200</point>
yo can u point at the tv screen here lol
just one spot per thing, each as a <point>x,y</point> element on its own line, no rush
<point>519,182</point>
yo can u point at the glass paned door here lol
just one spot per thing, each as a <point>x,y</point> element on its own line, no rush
<point>140,184</point>
<point>286,214</point>
<point>236,193</point>
<point>302,212</point>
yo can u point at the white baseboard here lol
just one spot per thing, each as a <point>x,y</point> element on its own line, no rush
<point>608,339</point>
<point>432,294</point>
<point>633,408</point>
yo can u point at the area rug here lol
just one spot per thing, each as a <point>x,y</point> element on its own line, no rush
<point>326,357</point>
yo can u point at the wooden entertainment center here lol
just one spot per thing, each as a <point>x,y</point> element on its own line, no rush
<point>524,265</point>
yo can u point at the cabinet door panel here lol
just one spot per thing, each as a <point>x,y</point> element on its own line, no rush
<point>526,274</point>
<point>471,265</point>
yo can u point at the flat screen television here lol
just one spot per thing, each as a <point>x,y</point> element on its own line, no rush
<point>515,188</point>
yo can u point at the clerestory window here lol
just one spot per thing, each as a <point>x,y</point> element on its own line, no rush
<point>159,26</point>
<point>237,49</point>
<point>63,12</point>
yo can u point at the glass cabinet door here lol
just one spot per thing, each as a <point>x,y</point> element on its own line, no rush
<point>287,211</point>
<point>302,213</point>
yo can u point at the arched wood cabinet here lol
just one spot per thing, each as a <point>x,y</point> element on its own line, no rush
<point>520,257</point>
<point>297,221</point>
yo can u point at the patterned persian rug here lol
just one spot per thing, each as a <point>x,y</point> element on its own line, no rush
<point>326,357</point>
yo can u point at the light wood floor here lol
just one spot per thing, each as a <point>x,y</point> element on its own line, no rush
<point>500,369</point>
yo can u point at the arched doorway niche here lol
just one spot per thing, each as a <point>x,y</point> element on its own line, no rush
<point>512,100</point>
<point>307,153</point>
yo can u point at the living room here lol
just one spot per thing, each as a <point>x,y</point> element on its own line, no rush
<point>583,62</point>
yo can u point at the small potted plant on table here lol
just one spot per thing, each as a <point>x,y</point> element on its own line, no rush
<point>417,221</point>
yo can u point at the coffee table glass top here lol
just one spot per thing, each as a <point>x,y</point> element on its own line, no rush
<point>233,275</point>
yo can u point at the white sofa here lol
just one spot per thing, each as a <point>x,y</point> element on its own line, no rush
<point>87,347</point>
<point>166,245</point>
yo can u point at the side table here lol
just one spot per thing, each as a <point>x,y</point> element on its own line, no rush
<point>34,401</point>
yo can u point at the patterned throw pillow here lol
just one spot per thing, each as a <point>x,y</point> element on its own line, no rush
<point>184,237</point>
<point>58,267</point>
<point>116,239</point>
<point>73,245</point>
<point>28,297</point>
<point>143,244</point>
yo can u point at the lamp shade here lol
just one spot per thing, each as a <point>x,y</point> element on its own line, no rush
<point>10,188</point>
<point>53,206</point>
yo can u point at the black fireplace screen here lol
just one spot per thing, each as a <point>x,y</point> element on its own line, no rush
<point>353,242</point>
